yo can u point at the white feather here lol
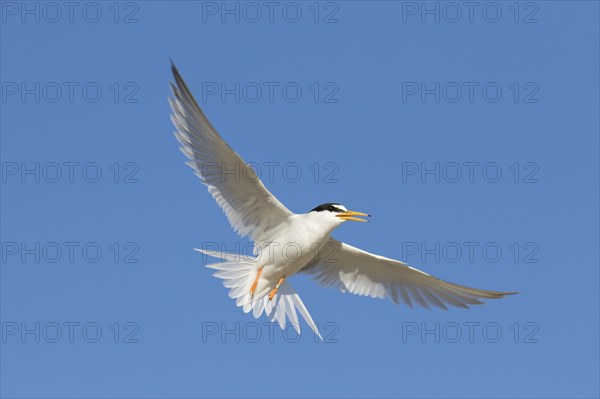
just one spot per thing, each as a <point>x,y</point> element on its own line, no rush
<point>238,277</point>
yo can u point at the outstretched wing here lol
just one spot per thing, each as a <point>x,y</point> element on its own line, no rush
<point>249,206</point>
<point>359,272</point>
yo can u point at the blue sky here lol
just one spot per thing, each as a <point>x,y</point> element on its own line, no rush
<point>470,135</point>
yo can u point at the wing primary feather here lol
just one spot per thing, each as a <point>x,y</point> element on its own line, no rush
<point>251,209</point>
<point>362,273</point>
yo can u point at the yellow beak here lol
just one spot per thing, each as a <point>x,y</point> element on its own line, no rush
<point>350,216</point>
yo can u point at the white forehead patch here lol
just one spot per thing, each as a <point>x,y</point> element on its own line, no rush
<point>342,207</point>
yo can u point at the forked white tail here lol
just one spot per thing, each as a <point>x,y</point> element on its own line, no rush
<point>239,272</point>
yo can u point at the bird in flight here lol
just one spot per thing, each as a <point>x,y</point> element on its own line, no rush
<point>259,283</point>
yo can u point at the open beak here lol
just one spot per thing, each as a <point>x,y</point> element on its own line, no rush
<point>350,215</point>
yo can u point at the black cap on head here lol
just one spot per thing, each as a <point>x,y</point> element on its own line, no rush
<point>330,206</point>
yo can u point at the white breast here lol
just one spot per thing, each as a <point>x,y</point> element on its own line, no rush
<point>294,245</point>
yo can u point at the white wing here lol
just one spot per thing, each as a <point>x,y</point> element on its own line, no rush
<point>359,272</point>
<point>249,206</point>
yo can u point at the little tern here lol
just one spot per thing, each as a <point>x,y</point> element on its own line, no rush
<point>259,283</point>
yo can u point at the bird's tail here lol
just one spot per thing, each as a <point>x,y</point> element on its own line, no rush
<point>239,272</point>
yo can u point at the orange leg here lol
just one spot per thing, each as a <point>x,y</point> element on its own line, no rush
<point>255,283</point>
<point>274,290</point>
